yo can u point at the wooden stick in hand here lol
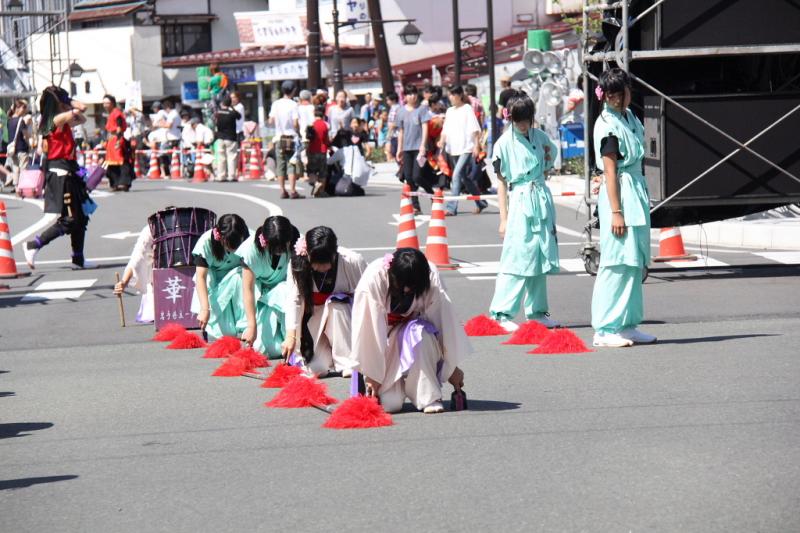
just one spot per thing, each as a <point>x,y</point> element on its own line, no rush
<point>121,309</point>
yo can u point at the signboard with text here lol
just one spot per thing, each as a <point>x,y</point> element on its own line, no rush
<point>262,28</point>
<point>173,289</point>
<point>285,70</point>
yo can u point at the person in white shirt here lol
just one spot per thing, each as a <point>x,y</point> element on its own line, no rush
<point>238,106</point>
<point>166,132</point>
<point>460,139</point>
<point>340,114</point>
<point>283,116</point>
<point>196,134</point>
<point>305,118</point>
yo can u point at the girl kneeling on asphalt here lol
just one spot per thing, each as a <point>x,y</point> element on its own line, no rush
<point>217,298</point>
<point>407,340</point>
<point>323,279</point>
<point>265,261</point>
<point>624,210</point>
<point>527,218</point>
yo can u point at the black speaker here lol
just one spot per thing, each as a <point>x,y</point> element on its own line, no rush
<point>710,23</point>
<point>678,148</point>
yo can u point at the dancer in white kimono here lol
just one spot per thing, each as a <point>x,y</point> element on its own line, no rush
<point>407,340</point>
<point>139,274</point>
<point>323,279</point>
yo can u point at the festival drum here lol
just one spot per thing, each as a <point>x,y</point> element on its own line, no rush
<point>175,232</point>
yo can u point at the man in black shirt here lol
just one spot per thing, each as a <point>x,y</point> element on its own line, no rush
<point>225,121</point>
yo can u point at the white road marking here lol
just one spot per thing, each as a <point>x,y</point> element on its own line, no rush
<point>122,235</point>
<point>481,278</point>
<point>701,262</point>
<point>46,219</point>
<point>273,209</point>
<point>419,220</point>
<point>92,259</point>
<point>787,258</point>
<point>56,290</point>
<point>572,265</point>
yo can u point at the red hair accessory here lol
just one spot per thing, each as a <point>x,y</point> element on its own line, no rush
<point>216,235</point>
<point>262,240</point>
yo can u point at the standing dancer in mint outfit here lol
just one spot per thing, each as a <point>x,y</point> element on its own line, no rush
<point>624,210</point>
<point>218,280</point>
<point>527,218</point>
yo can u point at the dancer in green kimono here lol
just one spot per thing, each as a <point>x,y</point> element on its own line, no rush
<point>217,298</point>
<point>527,218</point>
<point>265,263</point>
<point>624,211</point>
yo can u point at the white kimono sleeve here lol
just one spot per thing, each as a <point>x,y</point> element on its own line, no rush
<point>370,326</point>
<point>294,302</point>
<point>440,312</point>
<point>141,261</point>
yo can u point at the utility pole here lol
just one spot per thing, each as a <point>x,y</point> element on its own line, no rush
<point>338,83</point>
<point>456,45</point>
<point>490,57</point>
<point>314,66</point>
<point>381,50</point>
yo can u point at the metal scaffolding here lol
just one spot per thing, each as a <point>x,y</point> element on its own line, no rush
<point>623,56</point>
<point>21,24</point>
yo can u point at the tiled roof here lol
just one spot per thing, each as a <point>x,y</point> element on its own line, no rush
<point>103,10</point>
<point>260,55</point>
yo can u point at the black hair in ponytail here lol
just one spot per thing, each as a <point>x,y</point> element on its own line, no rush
<point>321,247</point>
<point>279,234</point>
<point>232,232</point>
<point>410,269</point>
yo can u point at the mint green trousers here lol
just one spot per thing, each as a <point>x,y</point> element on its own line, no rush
<point>617,301</point>
<point>509,292</point>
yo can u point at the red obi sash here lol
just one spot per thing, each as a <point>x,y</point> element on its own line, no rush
<point>320,298</point>
<point>396,318</point>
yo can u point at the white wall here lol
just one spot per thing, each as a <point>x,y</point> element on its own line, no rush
<point>129,53</point>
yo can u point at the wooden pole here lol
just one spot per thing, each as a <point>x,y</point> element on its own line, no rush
<point>121,309</point>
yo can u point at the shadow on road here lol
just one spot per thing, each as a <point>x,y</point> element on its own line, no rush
<point>10,484</point>
<point>21,429</point>
<point>719,338</point>
<point>6,394</point>
<point>492,405</point>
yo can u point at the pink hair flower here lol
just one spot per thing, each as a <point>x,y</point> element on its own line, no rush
<point>387,261</point>
<point>262,240</point>
<point>216,235</point>
<point>598,92</point>
<point>300,246</point>
<point>505,113</point>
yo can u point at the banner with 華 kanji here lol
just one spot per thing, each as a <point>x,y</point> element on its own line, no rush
<point>173,289</point>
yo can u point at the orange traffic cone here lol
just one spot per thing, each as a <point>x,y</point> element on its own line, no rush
<point>175,166</point>
<point>8,267</point>
<point>155,170</point>
<point>200,175</point>
<point>137,168</point>
<point>436,249</point>
<point>254,169</point>
<point>407,227</point>
<point>670,247</point>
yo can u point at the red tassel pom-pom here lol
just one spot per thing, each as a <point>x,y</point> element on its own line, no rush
<point>232,367</point>
<point>358,412</point>
<point>483,326</point>
<point>531,332</point>
<point>282,375</point>
<point>223,347</point>
<point>253,358</point>
<point>186,341</point>
<point>302,392</point>
<point>169,332</point>
<point>561,340</point>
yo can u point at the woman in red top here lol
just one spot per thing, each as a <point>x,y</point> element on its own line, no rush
<point>65,192</point>
<point>118,169</point>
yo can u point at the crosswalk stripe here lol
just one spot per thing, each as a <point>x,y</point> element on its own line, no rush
<point>59,290</point>
<point>701,262</point>
<point>787,258</point>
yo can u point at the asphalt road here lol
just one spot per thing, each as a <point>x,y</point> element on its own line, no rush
<point>103,430</point>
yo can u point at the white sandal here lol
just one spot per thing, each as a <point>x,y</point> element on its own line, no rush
<point>434,408</point>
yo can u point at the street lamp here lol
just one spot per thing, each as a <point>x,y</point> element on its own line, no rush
<point>409,35</point>
<point>75,70</point>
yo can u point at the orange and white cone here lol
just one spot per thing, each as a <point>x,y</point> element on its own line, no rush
<point>670,247</point>
<point>407,227</point>
<point>137,168</point>
<point>155,170</point>
<point>200,175</point>
<point>175,166</point>
<point>8,267</point>
<point>436,249</point>
<point>254,169</point>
